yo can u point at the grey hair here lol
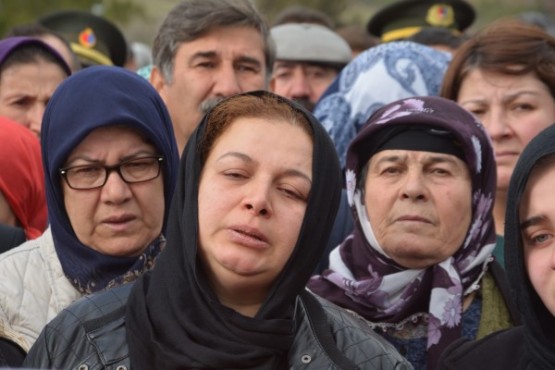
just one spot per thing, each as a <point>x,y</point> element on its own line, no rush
<point>192,19</point>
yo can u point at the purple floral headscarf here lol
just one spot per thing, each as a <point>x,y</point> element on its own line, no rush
<point>361,276</point>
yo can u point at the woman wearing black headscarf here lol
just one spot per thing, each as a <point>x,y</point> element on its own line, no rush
<point>420,181</point>
<point>529,257</point>
<point>257,194</point>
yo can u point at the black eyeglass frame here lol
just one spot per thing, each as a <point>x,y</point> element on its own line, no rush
<point>109,169</point>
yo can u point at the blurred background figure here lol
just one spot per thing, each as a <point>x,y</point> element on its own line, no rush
<point>402,19</point>
<point>505,75</point>
<point>303,14</point>
<point>308,58</point>
<point>94,39</point>
<point>539,19</point>
<point>50,37</point>
<point>357,38</point>
<point>22,195</point>
<point>439,38</point>
<point>30,71</point>
<point>140,56</point>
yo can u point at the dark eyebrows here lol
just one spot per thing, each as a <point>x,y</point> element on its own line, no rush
<point>204,54</point>
<point>245,158</point>
<point>247,59</point>
<point>531,221</point>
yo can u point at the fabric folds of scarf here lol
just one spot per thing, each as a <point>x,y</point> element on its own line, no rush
<point>22,176</point>
<point>175,321</point>
<point>376,77</point>
<point>363,278</point>
<point>539,323</point>
<point>113,96</point>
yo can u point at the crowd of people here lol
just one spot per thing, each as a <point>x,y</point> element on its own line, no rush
<point>292,194</point>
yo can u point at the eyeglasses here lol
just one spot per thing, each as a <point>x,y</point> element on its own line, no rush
<point>94,176</point>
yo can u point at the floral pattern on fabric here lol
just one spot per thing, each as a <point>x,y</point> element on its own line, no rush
<point>378,76</point>
<point>375,286</point>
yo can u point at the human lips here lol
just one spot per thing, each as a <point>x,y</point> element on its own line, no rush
<point>119,222</point>
<point>413,218</point>
<point>248,236</point>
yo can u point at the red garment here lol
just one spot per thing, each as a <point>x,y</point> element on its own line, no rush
<point>22,176</point>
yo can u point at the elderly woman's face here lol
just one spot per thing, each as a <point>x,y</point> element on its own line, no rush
<point>513,110</point>
<point>26,88</point>
<point>118,219</point>
<point>419,205</point>
<point>252,199</point>
<point>537,220</point>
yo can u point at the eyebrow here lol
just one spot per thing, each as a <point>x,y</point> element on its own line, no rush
<point>247,159</point>
<point>509,97</point>
<point>211,54</point>
<point>534,220</point>
<point>432,158</point>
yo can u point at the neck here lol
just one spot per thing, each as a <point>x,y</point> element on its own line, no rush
<point>499,211</point>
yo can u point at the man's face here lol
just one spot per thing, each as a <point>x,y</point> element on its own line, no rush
<point>301,81</point>
<point>224,62</point>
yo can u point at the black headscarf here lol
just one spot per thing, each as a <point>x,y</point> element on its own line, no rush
<point>174,319</point>
<point>539,323</point>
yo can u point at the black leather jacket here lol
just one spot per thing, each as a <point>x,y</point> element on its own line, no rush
<point>90,334</point>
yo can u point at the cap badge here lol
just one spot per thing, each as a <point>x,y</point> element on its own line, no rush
<point>440,15</point>
<point>87,38</point>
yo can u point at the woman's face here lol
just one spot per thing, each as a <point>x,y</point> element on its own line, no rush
<point>419,205</point>
<point>252,199</point>
<point>537,220</point>
<point>513,109</point>
<point>26,88</point>
<point>118,219</point>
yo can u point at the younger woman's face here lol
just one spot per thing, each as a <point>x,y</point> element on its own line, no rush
<point>252,199</point>
<point>537,222</point>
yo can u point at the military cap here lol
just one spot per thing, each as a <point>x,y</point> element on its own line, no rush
<point>94,39</point>
<point>309,42</point>
<point>404,18</point>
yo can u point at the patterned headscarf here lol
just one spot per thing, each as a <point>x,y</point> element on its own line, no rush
<point>96,97</point>
<point>363,278</point>
<point>378,76</point>
<point>21,177</point>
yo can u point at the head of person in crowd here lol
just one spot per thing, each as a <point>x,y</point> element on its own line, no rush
<point>206,50</point>
<point>529,262</point>
<point>110,164</point>
<point>50,37</point>
<point>139,56</point>
<point>257,193</point>
<point>530,243</point>
<point>22,197</point>
<point>308,58</point>
<point>30,71</point>
<point>357,38</point>
<point>303,14</point>
<point>109,174</point>
<point>93,38</point>
<point>505,75</point>
<point>420,181</point>
<point>403,18</point>
<point>376,77</point>
<point>439,38</point>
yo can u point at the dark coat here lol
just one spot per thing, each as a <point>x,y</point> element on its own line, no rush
<point>93,330</point>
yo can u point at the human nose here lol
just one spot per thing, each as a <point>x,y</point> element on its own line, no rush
<point>300,86</point>
<point>115,190</point>
<point>413,187</point>
<point>35,118</point>
<point>256,200</point>
<point>496,123</point>
<point>226,82</point>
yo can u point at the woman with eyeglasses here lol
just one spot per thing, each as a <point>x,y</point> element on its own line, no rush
<point>110,163</point>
